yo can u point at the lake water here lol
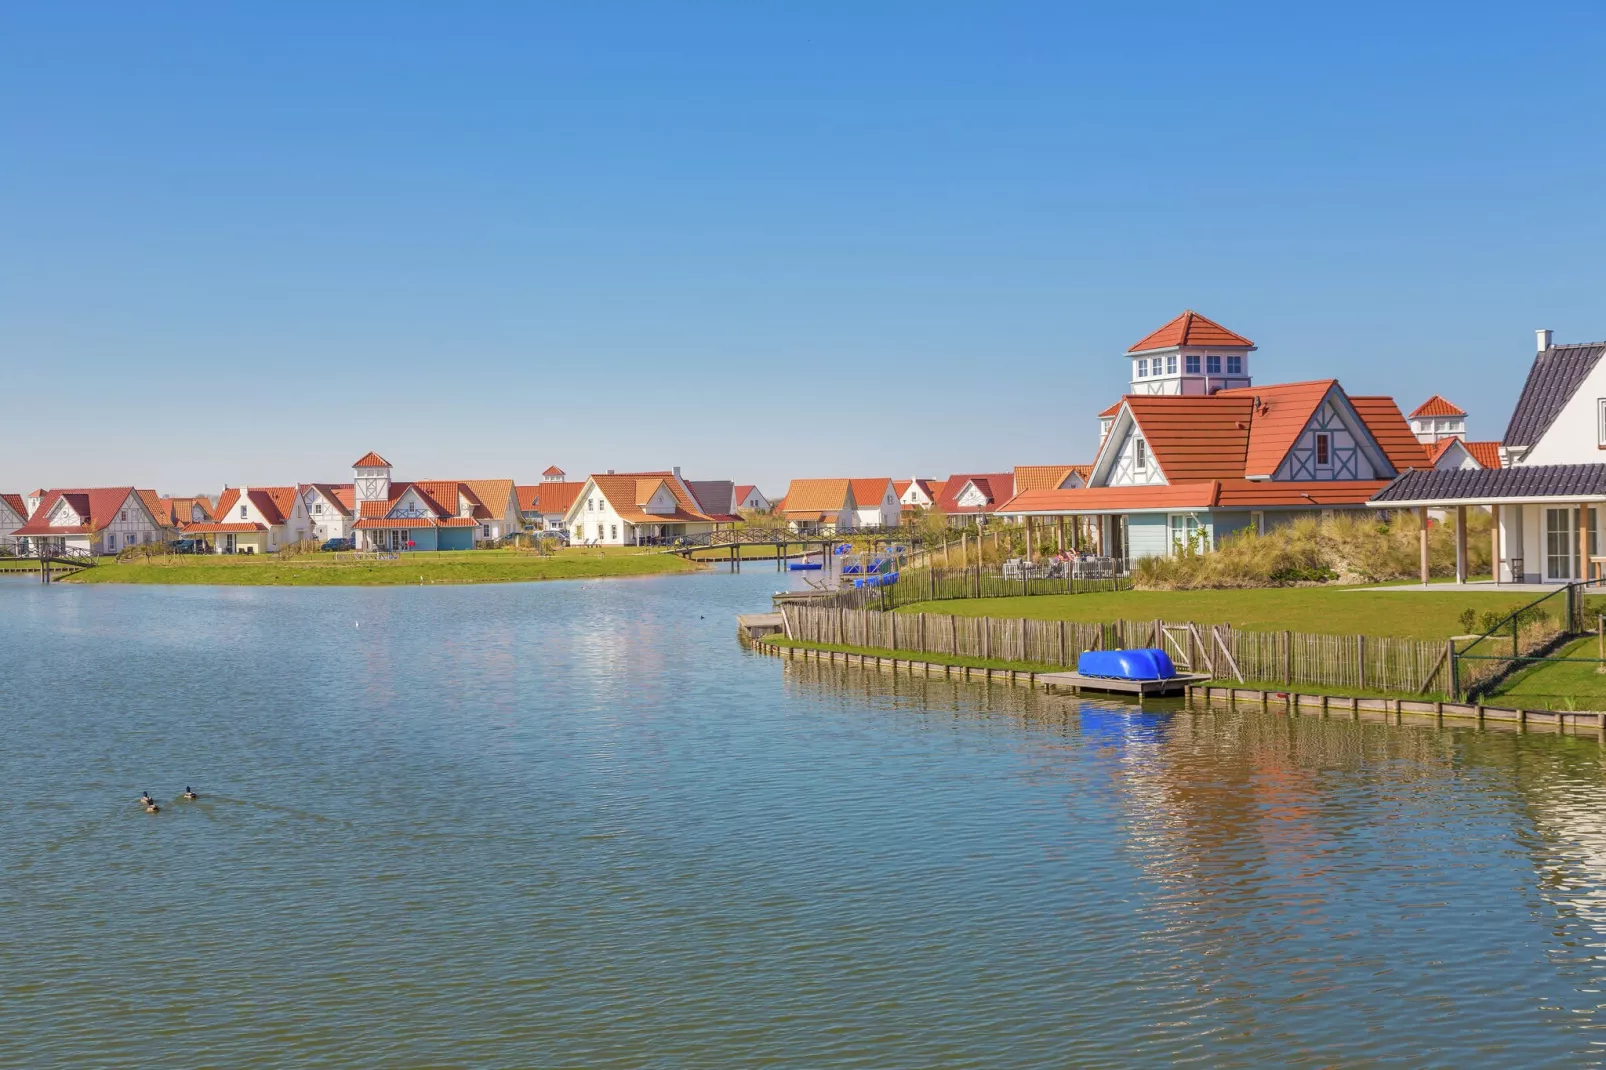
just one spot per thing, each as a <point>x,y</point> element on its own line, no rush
<point>576,825</point>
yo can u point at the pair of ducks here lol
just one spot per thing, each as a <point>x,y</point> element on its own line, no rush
<point>149,803</point>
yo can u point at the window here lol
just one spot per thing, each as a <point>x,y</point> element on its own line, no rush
<point>1191,362</point>
<point>1212,365</point>
<point>485,530</point>
<point>242,511</point>
<point>1323,459</point>
<point>614,533</point>
<point>1187,533</point>
<point>123,516</point>
<point>1601,422</point>
<point>1141,456</point>
<point>1235,365</point>
<point>1171,364</point>
<point>1143,367</point>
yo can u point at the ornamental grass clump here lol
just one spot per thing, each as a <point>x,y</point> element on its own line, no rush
<point>1345,548</point>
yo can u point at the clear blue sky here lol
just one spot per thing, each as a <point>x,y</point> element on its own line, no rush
<point>245,244</point>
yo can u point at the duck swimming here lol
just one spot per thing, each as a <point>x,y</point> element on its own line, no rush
<point>188,794</point>
<point>145,798</point>
<point>152,808</point>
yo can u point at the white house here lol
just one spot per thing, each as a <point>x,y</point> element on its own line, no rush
<point>875,504</point>
<point>429,514</point>
<point>331,509</point>
<point>1436,419</point>
<point>1550,487</point>
<point>97,520</point>
<point>917,494</point>
<point>635,509</point>
<point>13,514</point>
<point>819,506</point>
<point>749,498</point>
<point>255,520</point>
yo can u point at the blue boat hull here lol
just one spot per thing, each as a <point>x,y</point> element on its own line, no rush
<point>1143,664</point>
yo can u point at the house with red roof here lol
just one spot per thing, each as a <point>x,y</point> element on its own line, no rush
<point>749,499</point>
<point>1177,469</point>
<point>818,506</point>
<point>636,509</point>
<point>254,520</point>
<point>13,514</point>
<point>331,509</point>
<point>97,520</point>
<point>543,505</point>
<point>875,504</point>
<point>915,495</point>
<point>1436,419</point>
<point>971,496</point>
<point>429,514</point>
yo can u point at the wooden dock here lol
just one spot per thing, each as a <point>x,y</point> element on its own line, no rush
<point>757,625</point>
<point>1075,681</point>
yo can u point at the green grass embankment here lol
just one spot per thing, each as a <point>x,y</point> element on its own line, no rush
<point>343,570</point>
<point>1558,685</point>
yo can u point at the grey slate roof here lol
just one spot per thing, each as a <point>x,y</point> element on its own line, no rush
<point>1562,481</point>
<point>1555,374</point>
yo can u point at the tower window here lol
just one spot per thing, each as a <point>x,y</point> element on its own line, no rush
<point>1212,365</point>
<point>1171,364</point>
<point>1143,367</point>
<point>1191,362</point>
<point>1235,365</point>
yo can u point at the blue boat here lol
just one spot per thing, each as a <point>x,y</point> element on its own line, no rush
<point>1146,663</point>
<point>803,566</point>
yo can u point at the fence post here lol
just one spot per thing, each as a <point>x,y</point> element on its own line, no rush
<point>922,617</point>
<point>1023,656</point>
<point>1288,658</point>
<point>1360,660</point>
<point>1066,660</point>
<point>1455,671</point>
<point>987,637</point>
<point>892,623</point>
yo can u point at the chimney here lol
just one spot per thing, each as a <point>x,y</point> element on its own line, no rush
<point>677,471</point>
<point>1542,339</point>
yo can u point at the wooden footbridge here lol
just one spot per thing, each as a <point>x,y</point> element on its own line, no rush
<point>782,540</point>
<point>46,560</point>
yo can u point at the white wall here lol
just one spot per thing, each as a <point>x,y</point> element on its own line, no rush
<point>1124,472</point>
<point>1574,436</point>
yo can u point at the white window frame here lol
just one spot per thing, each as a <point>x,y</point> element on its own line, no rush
<point>1600,421</point>
<point>1235,365</point>
<point>1140,455</point>
<point>1192,363</point>
<point>1212,364</point>
<point>1171,364</point>
<point>1143,367</point>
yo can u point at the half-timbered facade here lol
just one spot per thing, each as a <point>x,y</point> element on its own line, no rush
<point>429,514</point>
<point>1180,471</point>
<point>13,515</point>
<point>97,520</point>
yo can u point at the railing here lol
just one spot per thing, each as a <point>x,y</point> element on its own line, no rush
<point>1290,658</point>
<point>1526,636</point>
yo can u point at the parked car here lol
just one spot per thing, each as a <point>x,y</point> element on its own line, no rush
<point>339,544</point>
<point>188,546</point>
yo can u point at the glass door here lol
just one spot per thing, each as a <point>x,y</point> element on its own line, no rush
<point>1560,531</point>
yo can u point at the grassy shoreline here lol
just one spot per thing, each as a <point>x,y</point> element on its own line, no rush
<point>341,570</point>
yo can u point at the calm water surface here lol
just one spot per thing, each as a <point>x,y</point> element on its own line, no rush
<point>575,825</point>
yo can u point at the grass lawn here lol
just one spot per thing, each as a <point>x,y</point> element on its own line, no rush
<point>1564,685</point>
<point>1320,610</point>
<point>340,570</point>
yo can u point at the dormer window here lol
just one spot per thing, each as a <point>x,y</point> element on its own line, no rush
<point>1235,365</point>
<point>1191,362</point>
<point>1212,365</point>
<point>1140,456</point>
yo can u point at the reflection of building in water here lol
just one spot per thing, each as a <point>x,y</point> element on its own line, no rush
<point>1564,790</point>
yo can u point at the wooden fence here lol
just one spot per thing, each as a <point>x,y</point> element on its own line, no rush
<point>939,585</point>
<point>1291,658</point>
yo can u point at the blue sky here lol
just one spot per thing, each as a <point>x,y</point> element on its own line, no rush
<point>245,244</point>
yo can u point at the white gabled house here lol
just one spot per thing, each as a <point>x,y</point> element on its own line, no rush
<point>1548,489</point>
<point>96,520</point>
<point>331,509</point>
<point>13,515</point>
<point>254,520</point>
<point>636,509</point>
<point>875,504</point>
<point>749,498</point>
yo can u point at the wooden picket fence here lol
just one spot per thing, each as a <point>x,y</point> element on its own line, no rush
<point>1225,653</point>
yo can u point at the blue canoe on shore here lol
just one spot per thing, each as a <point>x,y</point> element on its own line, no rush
<point>803,566</point>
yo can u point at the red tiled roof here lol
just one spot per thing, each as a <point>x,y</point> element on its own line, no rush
<point>1388,426</point>
<point>369,523</point>
<point>867,493</point>
<point>340,495</point>
<point>627,492</point>
<point>1485,453</point>
<point>98,505</point>
<point>1223,493</point>
<point>1193,438</point>
<point>1274,427</point>
<point>17,505</point>
<point>1111,411</point>
<point>999,487</point>
<point>553,470</point>
<point>1190,329</point>
<point>208,527</point>
<point>1042,476</point>
<point>1436,405</point>
<point>370,460</point>
<point>812,498</point>
<point>900,487</point>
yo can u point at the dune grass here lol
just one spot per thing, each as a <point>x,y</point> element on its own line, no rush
<point>341,570</point>
<point>1322,610</point>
